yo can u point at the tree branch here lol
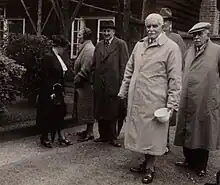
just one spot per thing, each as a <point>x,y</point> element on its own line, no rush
<point>39,17</point>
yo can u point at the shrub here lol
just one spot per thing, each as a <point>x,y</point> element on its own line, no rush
<point>28,51</point>
<point>10,80</point>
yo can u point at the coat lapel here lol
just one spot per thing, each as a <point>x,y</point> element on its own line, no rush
<point>108,51</point>
<point>194,55</point>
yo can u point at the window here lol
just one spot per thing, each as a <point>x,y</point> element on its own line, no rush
<point>76,26</point>
<point>16,25</point>
<point>91,22</point>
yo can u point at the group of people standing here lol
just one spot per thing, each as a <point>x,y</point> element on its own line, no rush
<point>160,72</point>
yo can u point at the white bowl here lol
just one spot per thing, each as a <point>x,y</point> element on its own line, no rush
<point>162,115</point>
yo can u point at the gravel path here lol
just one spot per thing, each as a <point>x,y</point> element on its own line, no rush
<point>24,162</point>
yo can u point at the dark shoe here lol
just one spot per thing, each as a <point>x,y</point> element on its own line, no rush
<point>182,164</point>
<point>87,138</point>
<point>139,169</point>
<point>201,173</point>
<point>99,140</point>
<point>114,143</point>
<point>148,178</point>
<point>65,142</point>
<point>46,143</point>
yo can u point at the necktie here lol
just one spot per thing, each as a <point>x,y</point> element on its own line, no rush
<point>107,44</point>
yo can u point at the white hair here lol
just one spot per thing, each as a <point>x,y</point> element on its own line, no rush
<point>155,16</point>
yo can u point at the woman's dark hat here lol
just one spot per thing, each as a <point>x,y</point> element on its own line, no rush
<point>166,13</point>
<point>107,24</point>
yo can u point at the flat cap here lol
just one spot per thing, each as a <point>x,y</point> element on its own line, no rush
<point>199,27</point>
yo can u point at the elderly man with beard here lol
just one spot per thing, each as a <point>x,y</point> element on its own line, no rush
<point>109,61</point>
<point>198,129</point>
<point>152,80</point>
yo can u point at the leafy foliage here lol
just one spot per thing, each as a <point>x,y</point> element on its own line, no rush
<point>10,79</point>
<point>28,51</point>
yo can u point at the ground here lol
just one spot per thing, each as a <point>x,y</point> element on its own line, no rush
<point>24,162</point>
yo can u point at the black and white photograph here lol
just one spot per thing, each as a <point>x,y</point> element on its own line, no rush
<point>109,92</point>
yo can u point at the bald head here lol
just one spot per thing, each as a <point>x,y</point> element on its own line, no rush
<point>154,23</point>
<point>155,17</point>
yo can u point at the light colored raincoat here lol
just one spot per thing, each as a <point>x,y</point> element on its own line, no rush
<point>152,80</point>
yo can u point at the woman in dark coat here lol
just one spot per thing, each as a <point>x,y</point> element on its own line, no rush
<point>84,92</point>
<point>53,70</point>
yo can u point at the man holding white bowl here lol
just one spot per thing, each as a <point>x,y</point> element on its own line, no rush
<point>152,80</point>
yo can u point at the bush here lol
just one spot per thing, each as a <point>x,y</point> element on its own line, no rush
<point>28,51</point>
<point>10,80</point>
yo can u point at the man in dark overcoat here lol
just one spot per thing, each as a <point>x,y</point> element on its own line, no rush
<point>109,61</point>
<point>198,129</point>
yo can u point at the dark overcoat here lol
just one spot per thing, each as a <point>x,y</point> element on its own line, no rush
<point>108,67</point>
<point>199,118</point>
<point>51,73</point>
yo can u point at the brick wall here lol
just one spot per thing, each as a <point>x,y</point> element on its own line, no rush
<point>209,13</point>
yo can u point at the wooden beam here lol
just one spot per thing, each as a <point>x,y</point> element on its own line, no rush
<point>56,11</point>
<point>76,10</point>
<point>120,18</point>
<point>29,16</point>
<point>39,17</point>
<point>127,14</point>
<point>144,9</point>
<point>61,15</point>
<point>47,18</point>
<point>109,11</point>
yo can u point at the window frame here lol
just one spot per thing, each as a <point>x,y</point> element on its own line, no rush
<point>17,19</point>
<point>81,23</point>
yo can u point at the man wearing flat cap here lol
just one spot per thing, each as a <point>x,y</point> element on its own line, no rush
<point>166,13</point>
<point>109,61</point>
<point>198,129</point>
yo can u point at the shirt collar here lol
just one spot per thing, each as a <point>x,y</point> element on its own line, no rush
<point>202,47</point>
<point>160,40</point>
<point>110,40</point>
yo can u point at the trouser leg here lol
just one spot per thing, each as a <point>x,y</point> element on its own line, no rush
<point>102,129</point>
<point>189,155</point>
<point>44,136</point>
<point>201,157</point>
<point>168,137</point>
<point>112,130</point>
<point>89,129</point>
<point>150,161</point>
<point>120,125</point>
